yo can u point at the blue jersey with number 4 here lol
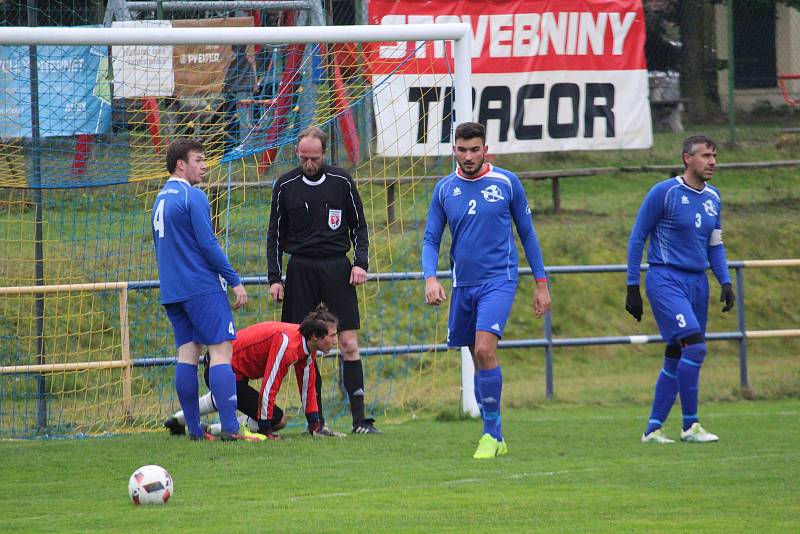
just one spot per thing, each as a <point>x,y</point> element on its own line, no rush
<point>479,213</point>
<point>685,230</point>
<point>190,260</point>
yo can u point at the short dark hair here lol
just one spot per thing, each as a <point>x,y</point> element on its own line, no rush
<point>179,150</point>
<point>313,131</point>
<point>691,142</point>
<point>316,323</point>
<point>471,130</point>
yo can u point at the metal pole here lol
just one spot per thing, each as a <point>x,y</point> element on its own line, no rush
<point>743,341</point>
<point>36,182</point>
<point>731,80</point>
<point>548,350</point>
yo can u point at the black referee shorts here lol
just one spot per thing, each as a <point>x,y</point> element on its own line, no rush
<point>310,281</point>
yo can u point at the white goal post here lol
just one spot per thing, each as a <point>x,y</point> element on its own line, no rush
<point>459,33</point>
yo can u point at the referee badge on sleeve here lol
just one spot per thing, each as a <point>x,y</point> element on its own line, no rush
<point>334,219</point>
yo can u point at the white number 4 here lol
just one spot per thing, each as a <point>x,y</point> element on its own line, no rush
<point>472,205</point>
<point>158,219</point>
<point>230,328</point>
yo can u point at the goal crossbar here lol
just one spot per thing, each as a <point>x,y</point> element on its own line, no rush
<point>458,32</point>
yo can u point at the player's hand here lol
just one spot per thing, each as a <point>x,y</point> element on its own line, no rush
<point>633,303</point>
<point>241,296</point>
<point>541,299</point>
<point>276,292</point>
<point>727,297</point>
<point>357,276</point>
<point>434,292</point>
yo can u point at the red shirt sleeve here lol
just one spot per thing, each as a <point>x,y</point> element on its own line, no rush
<point>305,370</point>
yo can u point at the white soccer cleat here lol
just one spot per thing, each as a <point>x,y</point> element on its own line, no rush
<point>698,434</point>
<point>656,436</point>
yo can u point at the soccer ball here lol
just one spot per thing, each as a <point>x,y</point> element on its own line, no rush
<point>150,484</point>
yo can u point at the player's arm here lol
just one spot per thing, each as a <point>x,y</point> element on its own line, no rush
<point>718,260</point>
<point>274,372</point>
<point>359,232</point>
<point>199,213</point>
<point>521,214</point>
<point>278,224</point>
<point>434,227</point>
<point>649,212</point>
<point>306,374</point>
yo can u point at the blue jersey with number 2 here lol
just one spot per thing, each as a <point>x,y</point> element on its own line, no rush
<point>479,213</point>
<point>190,260</point>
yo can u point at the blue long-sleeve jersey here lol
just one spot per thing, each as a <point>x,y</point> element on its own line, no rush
<point>479,213</point>
<point>684,226</point>
<point>190,260</point>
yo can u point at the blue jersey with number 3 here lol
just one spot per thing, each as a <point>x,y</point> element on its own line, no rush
<point>685,230</point>
<point>190,260</point>
<point>479,213</point>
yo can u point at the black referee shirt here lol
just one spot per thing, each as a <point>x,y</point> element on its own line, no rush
<point>315,218</point>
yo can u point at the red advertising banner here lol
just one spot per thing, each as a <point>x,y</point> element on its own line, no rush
<point>546,74</point>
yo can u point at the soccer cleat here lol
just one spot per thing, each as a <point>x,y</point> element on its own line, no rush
<point>174,427</point>
<point>328,433</point>
<point>246,433</point>
<point>205,437</point>
<point>488,447</point>
<point>227,436</point>
<point>502,448</point>
<point>656,436</point>
<point>698,434</point>
<point>366,426</point>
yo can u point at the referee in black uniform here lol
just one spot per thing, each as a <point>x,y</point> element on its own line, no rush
<point>316,214</point>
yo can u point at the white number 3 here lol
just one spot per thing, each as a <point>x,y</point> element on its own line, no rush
<point>681,320</point>
<point>472,205</point>
<point>698,220</point>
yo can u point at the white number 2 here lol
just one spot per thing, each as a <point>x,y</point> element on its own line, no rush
<point>158,219</point>
<point>472,206</point>
<point>681,320</point>
<point>698,220</point>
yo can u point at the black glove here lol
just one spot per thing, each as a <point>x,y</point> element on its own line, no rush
<point>633,302</point>
<point>727,297</point>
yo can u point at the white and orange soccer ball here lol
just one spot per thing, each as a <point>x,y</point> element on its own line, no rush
<point>150,484</point>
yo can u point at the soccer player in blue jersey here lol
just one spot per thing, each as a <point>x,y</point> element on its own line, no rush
<point>479,202</point>
<point>682,218</point>
<point>193,274</point>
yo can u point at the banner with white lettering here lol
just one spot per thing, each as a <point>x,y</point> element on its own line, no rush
<point>72,91</point>
<point>547,75</point>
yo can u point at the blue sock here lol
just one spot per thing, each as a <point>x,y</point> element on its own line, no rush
<point>477,389</point>
<point>664,397</point>
<point>692,357</point>
<point>491,387</point>
<point>187,389</point>
<point>223,387</point>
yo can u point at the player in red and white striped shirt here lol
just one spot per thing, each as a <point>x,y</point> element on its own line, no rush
<point>267,350</point>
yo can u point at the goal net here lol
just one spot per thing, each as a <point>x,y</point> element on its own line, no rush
<point>85,118</point>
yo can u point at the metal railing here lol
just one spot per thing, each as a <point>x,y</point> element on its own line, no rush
<point>548,342</point>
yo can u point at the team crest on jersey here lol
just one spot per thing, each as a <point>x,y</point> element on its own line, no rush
<point>334,219</point>
<point>492,193</point>
<point>684,199</point>
<point>711,209</point>
<point>456,191</point>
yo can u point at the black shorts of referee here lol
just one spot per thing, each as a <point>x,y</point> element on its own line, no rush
<point>310,281</point>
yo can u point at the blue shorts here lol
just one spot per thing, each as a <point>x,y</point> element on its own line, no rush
<point>206,319</point>
<point>483,307</point>
<point>679,300</point>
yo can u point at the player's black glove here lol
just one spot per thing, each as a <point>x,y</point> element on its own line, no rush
<point>727,297</point>
<point>633,302</point>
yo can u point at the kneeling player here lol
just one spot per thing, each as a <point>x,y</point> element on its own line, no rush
<point>267,350</point>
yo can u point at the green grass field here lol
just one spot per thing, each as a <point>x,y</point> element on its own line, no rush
<point>570,469</point>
